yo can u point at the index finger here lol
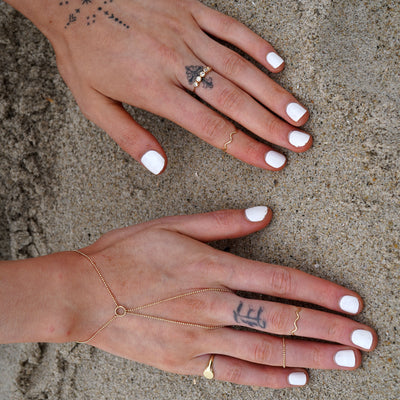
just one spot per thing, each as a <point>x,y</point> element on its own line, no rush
<point>229,29</point>
<point>252,276</point>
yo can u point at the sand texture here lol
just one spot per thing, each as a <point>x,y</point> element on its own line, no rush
<point>64,182</point>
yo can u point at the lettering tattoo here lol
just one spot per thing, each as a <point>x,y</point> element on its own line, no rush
<point>89,11</point>
<point>193,71</point>
<point>252,318</point>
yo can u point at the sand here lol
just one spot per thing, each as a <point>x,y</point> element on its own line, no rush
<point>64,182</point>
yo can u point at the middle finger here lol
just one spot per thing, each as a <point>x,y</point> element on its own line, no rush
<point>286,319</point>
<point>251,79</point>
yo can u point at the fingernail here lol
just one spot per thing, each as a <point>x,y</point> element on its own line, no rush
<point>298,378</point>
<point>274,60</point>
<point>256,214</point>
<point>295,111</point>
<point>345,358</point>
<point>349,304</point>
<point>275,159</point>
<point>298,139</point>
<point>153,161</point>
<point>362,338</point>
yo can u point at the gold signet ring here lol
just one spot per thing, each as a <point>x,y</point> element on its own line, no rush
<point>208,372</point>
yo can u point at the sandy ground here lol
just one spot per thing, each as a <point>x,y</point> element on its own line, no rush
<point>63,183</point>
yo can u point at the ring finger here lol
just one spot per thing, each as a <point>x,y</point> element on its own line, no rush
<point>274,351</point>
<point>216,130</point>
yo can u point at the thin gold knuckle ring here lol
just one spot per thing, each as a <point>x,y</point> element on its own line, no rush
<point>283,353</point>
<point>226,144</point>
<point>294,330</point>
<point>208,373</point>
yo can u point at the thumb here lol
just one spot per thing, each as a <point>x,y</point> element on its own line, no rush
<point>217,225</point>
<point>110,116</point>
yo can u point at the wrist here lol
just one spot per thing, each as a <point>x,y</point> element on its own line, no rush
<point>42,13</point>
<point>34,305</point>
<point>54,298</point>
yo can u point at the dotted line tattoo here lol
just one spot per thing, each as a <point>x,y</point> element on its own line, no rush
<point>89,11</point>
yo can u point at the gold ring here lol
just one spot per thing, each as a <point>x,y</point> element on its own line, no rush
<point>294,330</point>
<point>283,353</point>
<point>200,77</point>
<point>225,147</point>
<point>208,372</point>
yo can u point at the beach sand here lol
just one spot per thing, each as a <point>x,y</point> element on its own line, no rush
<point>64,182</point>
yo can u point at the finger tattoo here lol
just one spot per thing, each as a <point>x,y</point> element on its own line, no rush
<point>194,71</point>
<point>251,317</point>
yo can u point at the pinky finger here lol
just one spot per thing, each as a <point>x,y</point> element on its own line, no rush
<point>246,373</point>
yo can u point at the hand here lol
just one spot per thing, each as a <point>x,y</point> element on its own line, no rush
<point>166,257</point>
<point>148,53</point>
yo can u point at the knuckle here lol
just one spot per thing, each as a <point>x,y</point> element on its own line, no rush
<point>254,149</point>
<point>316,357</point>
<point>87,110</point>
<point>176,25</point>
<point>273,126</point>
<point>279,320</point>
<point>170,364</point>
<point>212,309</point>
<point>206,266</point>
<point>190,337</point>
<point>281,281</point>
<point>230,99</point>
<point>233,65</point>
<point>226,23</point>
<point>262,352</point>
<point>168,54</point>
<point>222,219</point>
<point>213,127</point>
<point>198,303</point>
<point>234,373</point>
<point>334,330</point>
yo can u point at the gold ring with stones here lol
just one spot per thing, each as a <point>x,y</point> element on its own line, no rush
<point>200,77</point>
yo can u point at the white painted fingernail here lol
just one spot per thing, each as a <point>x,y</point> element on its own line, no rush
<point>274,60</point>
<point>275,159</point>
<point>298,139</point>
<point>298,378</point>
<point>295,111</point>
<point>362,338</point>
<point>153,161</point>
<point>349,304</point>
<point>256,214</point>
<point>345,358</point>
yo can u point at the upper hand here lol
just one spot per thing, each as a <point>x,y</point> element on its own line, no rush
<point>143,53</point>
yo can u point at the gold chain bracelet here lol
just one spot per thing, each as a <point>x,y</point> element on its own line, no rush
<point>121,311</point>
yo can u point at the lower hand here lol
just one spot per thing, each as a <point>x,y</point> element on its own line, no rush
<point>167,257</point>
